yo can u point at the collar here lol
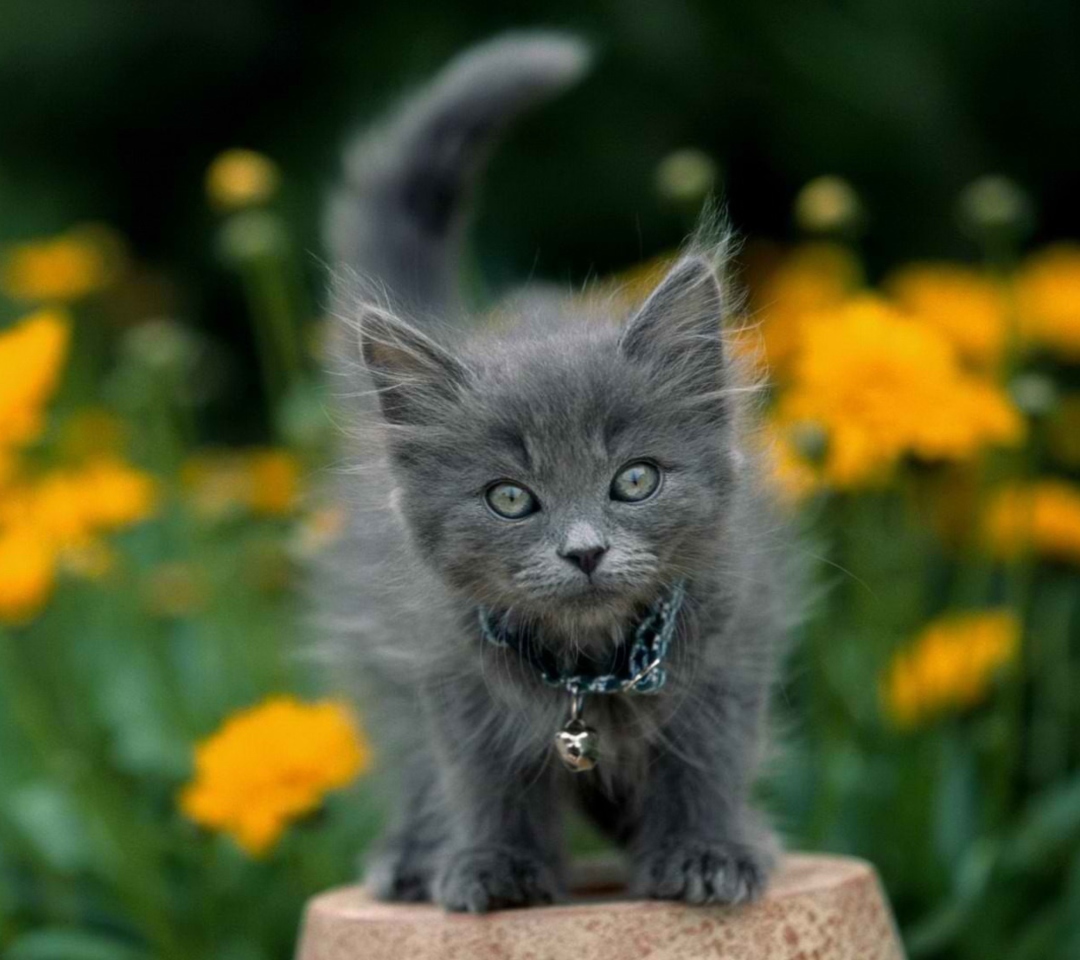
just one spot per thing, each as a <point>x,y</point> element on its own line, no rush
<point>637,667</point>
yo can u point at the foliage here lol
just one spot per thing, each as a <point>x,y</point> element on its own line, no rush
<point>149,675</point>
<point>932,727</point>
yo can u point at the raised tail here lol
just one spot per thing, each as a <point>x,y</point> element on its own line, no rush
<point>397,220</point>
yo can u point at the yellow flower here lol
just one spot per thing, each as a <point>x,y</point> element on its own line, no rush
<point>1044,517</point>
<point>27,572</point>
<point>241,178</point>
<point>949,665</point>
<point>113,494</point>
<point>68,506</point>
<point>52,506</point>
<point>270,765</point>
<point>1048,299</point>
<point>262,481</point>
<point>7,469</point>
<point>275,482</point>
<point>883,387</point>
<point>815,277</point>
<point>32,354</point>
<point>55,519</point>
<point>793,474</point>
<point>65,268</point>
<point>967,306</point>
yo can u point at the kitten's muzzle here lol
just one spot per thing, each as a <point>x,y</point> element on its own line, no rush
<point>586,559</point>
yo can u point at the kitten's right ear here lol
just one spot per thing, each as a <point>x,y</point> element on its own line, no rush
<point>412,373</point>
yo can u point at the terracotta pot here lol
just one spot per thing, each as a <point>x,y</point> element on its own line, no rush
<point>818,908</point>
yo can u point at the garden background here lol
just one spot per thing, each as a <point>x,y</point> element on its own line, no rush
<point>175,777</point>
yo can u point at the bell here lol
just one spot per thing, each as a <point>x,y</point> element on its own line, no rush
<point>578,746</point>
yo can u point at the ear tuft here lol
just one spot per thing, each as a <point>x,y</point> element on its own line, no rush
<point>678,327</point>
<point>412,373</point>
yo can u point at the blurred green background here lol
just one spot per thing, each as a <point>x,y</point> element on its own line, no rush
<point>170,772</point>
<point>112,110</point>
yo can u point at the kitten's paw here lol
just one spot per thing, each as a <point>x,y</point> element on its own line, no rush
<point>399,876</point>
<point>697,871</point>
<point>478,880</point>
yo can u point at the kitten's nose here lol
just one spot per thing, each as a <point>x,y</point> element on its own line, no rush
<point>586,558</point>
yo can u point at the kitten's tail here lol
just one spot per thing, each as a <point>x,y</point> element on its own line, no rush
<point>397,218</point>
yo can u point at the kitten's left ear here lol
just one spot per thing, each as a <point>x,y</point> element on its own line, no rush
<point>678,327</point>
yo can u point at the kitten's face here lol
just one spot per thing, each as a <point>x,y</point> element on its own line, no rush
<point>573,478</point>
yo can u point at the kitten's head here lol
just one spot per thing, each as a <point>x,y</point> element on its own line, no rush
<point>567,477</point>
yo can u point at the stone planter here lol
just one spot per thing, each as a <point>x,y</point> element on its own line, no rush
<point>818,908</point>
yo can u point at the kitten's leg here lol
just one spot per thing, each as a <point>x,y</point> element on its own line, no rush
<point>505,848</point>
<point>697,839</point>
<point>402,867</point>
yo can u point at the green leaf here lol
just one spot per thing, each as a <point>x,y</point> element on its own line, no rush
<point>957,805</point>
<point>945,923</point>
<point>1041,937</point>
<point>68,943</point>
<point>1049,828</point>
<point>48,820</point>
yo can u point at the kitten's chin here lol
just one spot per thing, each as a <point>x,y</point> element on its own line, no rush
<point>589,606</point>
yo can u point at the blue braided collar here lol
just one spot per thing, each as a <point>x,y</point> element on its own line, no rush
<point>638,667</point>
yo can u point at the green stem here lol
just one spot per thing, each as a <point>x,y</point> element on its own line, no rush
<point>1048,748</point>
<point>137,878</point>
<point>271,299</point>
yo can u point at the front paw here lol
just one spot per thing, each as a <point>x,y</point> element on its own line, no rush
<point>480,879</point>
<point>704,871</point>
<point>400,873</point>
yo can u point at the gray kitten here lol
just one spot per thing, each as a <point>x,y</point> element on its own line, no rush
<point>558,475</point>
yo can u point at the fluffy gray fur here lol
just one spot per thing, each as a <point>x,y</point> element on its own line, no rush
<point>438,407</point>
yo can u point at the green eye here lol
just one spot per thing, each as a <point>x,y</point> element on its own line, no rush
<point>511,501</point>
<point>636,482</point>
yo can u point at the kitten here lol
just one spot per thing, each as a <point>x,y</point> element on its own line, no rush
<point>556,477</point>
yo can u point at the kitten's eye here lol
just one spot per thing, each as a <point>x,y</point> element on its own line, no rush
<point>511,501</point>
<point>637,482</point>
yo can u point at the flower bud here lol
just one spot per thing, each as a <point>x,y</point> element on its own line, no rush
<point>253,235</point>
<point>1034,394</point>
<point>162,346</point>
<point>829,205</point>
<point>994,208</point>
<point>241,178</point>
<point>686,177</point>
